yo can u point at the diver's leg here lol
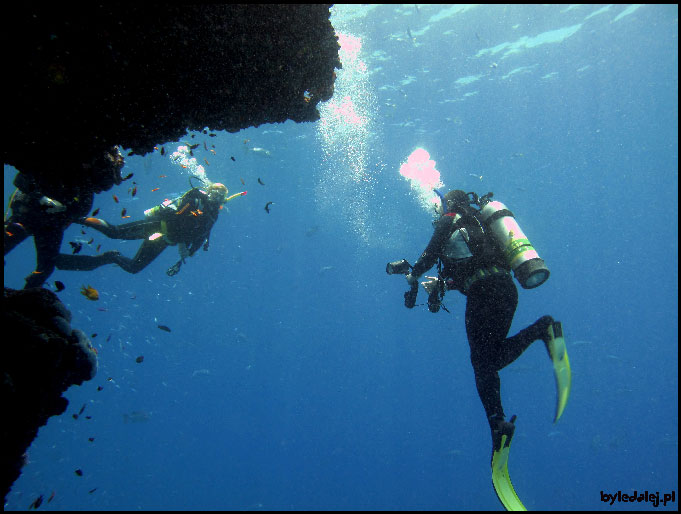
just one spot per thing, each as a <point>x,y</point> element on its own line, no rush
<point>86,262</point>
<point>147,253</point>
<point>134,230</point>
<point>47,244</point>
<point>490,307</point>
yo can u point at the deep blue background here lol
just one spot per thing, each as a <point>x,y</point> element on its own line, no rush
<point>294,378</point>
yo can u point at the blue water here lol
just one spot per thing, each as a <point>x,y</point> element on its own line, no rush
<point>294,378</point>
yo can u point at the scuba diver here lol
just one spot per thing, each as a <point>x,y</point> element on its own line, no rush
<point>477,243</point>
<point>185,222</point>
<point>45,211</point>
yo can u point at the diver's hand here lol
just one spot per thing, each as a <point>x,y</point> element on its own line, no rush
<point>51,206</point>
<point>175,269</point>
<point>412,280</point>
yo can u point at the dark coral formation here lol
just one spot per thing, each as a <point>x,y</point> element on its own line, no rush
<point>42,356</point>
<point>84,77</point>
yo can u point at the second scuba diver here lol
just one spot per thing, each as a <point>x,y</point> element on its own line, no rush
<point>476,244</point>
<point>185,222</point>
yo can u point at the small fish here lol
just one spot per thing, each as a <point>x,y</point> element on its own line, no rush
<point>91,241</point>
<point>193,147</point>
<point>59,285</point>
<point>128,176</point>
<point>212,135</point>
<point>92,490</point>
<point>81,409</point>
<point>163,150</point>
<point>51,496</point>
<point>95,212</point>
<point>134,191</point>
<point>89,417</point>
<point>242,181</point>
<point>75,416</point>
<point>232,157</point>
<point>267,206</point>
<point>124,212</point>
<point>115,198</point>
<point>82,232</point>
<point>79,472</point>
<point>102,309</point>
<point>89,292</point>
<point>155,189</point>
<point>162,176</point>
<point>98,248</point>
<point>206,161</point>
<point>108,338</point>
<point>93,335</point>
<point>139,359</point>
<point>205,145</point>
<point>163,327</point>
<point>36,503</point>
<point>91,439</point>
<point>77,247</point>
<point>260,182</point>
<point>100,388</point>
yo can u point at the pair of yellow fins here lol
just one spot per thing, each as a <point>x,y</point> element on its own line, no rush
<point>561,368</point>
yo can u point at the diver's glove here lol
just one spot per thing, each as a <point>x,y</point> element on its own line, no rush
<point>174,269</point>
<point>51,206</point>
<point>412,280</point>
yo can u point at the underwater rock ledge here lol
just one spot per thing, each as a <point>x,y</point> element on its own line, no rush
<point>89,76</point>
<point>42,356</point>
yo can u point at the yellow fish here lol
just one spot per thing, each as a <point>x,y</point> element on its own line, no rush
<point>89,292</point>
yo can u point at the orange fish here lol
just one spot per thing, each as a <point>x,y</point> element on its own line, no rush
<point>155,189</point>
<point>206,161</point>
<point>115,198</point>
<point>162,176</point>
<point>89,292</point>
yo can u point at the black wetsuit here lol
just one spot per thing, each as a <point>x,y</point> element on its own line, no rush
<point>492,299</point>
<point>31,218</point>
<point>187,220</point>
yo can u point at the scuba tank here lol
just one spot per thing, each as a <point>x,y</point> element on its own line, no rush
<point>519,254</point>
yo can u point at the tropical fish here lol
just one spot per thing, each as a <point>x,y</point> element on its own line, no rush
<point>89,292</point>
<point>79,472</point>
<point>59,285</point>
<point>77,247</point>
<point>115,198</point>
<point>51,496</point>
<point>139,359</point>
<point>267,206</point>
<point>134,191</point>
<point>163,327</point>
<point>155,189</point>
<point>129,175</point>
<point>123,212</point>
<point>36,503</point>
<point>163,150</point>
<point>232,157</point>
<point>260,182</point>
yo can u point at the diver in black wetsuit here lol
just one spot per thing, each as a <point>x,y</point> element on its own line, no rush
<point>185,222</point>
<point>471,263</point>
<point>45,211</point>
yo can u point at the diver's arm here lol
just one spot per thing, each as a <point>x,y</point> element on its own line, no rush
<point>434,249</point>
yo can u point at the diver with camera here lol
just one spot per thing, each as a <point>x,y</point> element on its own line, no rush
<point>476,244</point>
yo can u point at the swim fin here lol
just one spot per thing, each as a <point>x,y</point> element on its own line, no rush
<point>500,477</point>
<point>561,366</point>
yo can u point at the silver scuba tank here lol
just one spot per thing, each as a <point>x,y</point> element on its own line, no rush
<point>529,269</point>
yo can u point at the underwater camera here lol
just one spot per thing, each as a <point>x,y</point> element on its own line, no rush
<point>401,267</point>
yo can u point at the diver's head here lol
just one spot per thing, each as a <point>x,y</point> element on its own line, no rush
<point>217,193</point>
<point>457,201</point>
